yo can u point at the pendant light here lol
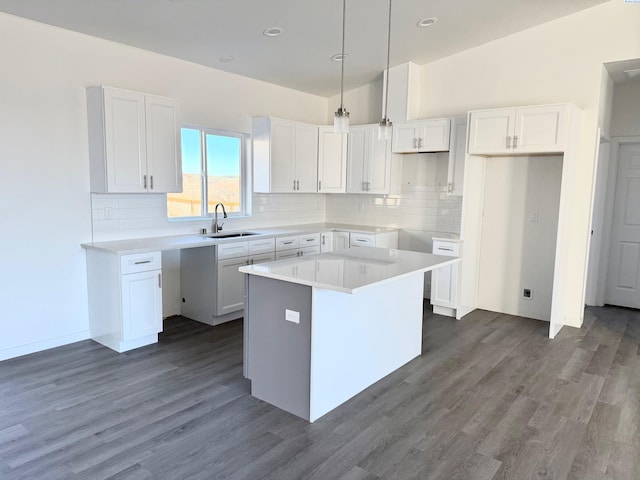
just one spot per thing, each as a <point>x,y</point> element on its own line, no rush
<point>385,125</point>
<point>341,118</point>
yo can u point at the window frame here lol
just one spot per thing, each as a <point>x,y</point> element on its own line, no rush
<point>245,170</point>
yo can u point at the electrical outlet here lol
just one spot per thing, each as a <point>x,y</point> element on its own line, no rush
<point>291,316</point>
<point>527,294</point>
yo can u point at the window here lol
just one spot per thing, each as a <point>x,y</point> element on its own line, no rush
<point>213,168</point>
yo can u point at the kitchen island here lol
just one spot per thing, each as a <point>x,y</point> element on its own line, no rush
<point>320,329</point>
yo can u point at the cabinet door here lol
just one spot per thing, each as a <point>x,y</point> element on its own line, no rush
<point>306,158</point>
<point>457,154</point>
<point>282,155</point>
<point>332,161</point>
<point>378,163</point>
<point>340,240</point>
<point>141,304</point>
<point>326,242</point>
<point>164,166</point>
<point>230,285</point>
<point>491,131</point>
<point>443,286</point>
<point>404,138</point>
<point>125,140</point>
<point>433,135</point>
<point>540,129</point>
<point>356,154</point>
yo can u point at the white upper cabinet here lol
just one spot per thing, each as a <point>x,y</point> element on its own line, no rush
<point>368,161</point>
<point>538,129</point>
<point>332,161</point>
<point>457,153</point>
<point>421,136</point>
<point>134,142</point>
<point>285,156</point>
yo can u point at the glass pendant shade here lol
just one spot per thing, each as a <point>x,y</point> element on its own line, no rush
<point>385,128</point>
<point>341,121</point>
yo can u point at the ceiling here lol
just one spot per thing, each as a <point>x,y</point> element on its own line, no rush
<point>204,31</point>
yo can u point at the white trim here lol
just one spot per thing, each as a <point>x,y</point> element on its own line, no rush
<point>28,348</point>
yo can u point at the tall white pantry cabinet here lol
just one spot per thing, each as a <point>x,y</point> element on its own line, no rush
<point>134,142</point>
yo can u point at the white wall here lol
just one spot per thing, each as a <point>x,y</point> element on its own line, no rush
<point>625,119</point>
<point>44,174</point>
<point>519,227</point>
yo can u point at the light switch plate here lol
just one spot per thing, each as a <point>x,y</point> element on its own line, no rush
<point>291,316</point>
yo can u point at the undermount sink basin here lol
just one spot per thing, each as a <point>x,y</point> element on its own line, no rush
<point>231,234</point>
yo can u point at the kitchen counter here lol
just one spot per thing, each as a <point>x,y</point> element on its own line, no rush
<point>350,271</point>
<point>321,329</point>
<point>178,242</point>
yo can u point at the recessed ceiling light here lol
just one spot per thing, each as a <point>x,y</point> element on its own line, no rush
<point>632,74</point>
<point>426,22</point>
<point>227,58</point>
<point>338,57</point>
<point>273,31</point>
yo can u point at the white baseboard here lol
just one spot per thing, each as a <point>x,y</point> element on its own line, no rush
<point>28,348</point>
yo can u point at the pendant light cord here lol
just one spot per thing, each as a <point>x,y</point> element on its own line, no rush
<point>344,10</point>
<point>386,94</point>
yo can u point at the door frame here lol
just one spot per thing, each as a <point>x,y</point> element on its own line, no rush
<point>607,226</point>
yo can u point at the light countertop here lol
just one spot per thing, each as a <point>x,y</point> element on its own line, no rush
<point>351,270</point>
<point>178,242</point>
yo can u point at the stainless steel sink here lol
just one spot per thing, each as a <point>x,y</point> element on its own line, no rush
<point>231,234</point>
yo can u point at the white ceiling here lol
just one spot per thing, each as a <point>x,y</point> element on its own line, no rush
<point>202,31</point>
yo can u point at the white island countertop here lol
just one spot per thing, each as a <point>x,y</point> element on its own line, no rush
<point>350,271</point>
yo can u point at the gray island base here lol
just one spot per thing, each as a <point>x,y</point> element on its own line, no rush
<point>320,329</point>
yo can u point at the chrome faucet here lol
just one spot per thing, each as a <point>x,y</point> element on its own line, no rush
<point>215,227</point>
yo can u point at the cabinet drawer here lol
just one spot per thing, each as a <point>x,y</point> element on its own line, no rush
<point>309,250</point>
<point>287,254</point>
<point>362,240</point>
<point>263,245</point>
<point>448,249</point>
<point>140,262</point>
<point>310,240</point>
<point>232,250</point>
<point>287,243</point>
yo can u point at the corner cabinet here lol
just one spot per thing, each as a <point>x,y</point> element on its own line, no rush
<point>421,136</point>
<point>285,156</point>
<point>332,161</point>
<point>371,167</point>
<point>134,142</point>
<point>125,299</point>
<point>524,130</point>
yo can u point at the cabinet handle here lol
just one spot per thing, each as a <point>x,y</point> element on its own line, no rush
<point>145,181</point>
<point>287,243</point>
<point>323,239</point>
<point>319,185</point>
<point>415,143</point>
<point>309,239</point>
<point>515,142</point>
<point>298,185</point>
<point>151,178</point>
<point>368,186</point>
<point>508,142</point>
<point>294,184</point>
<point>446,249</point>
<point>141,262</point>
<point>159,280</point>
<point>450,187</point>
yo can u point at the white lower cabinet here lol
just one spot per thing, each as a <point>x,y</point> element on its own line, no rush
<point>125,299</point>
<point>340,240</point>
<point>326,242</point>
<point>297,245</point>
<point>212,286</point>
<point>444,280</point>
<point>380,239</point>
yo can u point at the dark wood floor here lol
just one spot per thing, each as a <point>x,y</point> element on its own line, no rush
<point>490,398</point>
